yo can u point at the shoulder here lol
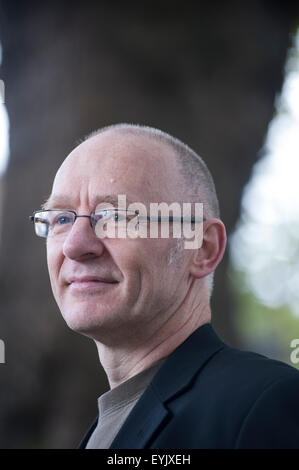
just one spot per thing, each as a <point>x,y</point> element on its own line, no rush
<point>258,396</point>
<point>251,365</point>
<point>205,361</point>
<point>228,398</point>
<point>272,421</point>
<point>244,376</point>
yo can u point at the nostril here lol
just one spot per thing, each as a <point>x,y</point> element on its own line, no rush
<point>81,243</point>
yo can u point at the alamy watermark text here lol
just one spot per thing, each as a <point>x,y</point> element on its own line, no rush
<point>294,356</point>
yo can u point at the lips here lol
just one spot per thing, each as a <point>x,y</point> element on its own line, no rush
<point>90,279</point>
<point>82,285</point>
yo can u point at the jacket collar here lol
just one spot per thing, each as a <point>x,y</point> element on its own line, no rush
<point>172,378</point>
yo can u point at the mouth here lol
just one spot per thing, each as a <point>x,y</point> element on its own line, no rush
<point>89,283</point>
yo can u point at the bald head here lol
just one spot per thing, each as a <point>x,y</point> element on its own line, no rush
<point>120,161</point>
<point>198,184</point>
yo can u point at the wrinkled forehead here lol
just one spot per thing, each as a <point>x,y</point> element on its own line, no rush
<point>121,164</point>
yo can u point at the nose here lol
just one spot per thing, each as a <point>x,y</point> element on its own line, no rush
<point>82,242</point>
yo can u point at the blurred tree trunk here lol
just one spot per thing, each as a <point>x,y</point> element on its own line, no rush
<point>207,74</point>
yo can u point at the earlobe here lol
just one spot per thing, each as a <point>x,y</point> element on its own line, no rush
<point>206,259</point>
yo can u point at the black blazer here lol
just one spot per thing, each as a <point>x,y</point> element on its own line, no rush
<point>209,395</point>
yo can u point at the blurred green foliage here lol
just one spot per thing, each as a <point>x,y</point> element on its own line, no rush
<point>266,330</point>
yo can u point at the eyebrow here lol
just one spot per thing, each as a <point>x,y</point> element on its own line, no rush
<point>63,202</point>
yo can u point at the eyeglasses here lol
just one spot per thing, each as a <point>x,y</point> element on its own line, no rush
<point>58,223</point>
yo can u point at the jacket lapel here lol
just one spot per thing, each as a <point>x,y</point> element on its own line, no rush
<point>144,419</point>
<point>88,434</point>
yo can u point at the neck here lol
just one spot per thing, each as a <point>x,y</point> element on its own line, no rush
<point>125,359</point>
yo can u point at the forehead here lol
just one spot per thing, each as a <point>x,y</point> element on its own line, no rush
<point>117,163</point>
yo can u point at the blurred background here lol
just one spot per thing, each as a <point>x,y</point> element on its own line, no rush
<point>221,76</point>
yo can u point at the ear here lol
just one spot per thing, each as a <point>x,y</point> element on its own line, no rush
<point>206,259</point>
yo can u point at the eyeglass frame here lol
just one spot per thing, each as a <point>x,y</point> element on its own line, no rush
<point>147,217</point>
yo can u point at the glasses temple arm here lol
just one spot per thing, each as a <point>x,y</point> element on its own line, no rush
<point>160,218</point>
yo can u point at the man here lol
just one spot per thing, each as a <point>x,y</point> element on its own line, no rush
<point>145,303</point>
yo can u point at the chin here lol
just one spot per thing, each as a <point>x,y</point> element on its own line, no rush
<point>95,325</point>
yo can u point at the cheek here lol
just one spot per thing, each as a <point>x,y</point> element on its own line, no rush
<point>53,262</point>
<point>150,264</point>
<point>169,265</point>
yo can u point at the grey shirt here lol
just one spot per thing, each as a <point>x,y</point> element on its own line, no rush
<point>115,406</point>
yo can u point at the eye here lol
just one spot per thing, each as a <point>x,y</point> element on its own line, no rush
<point>105,214</point>
<point>62,220</point>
